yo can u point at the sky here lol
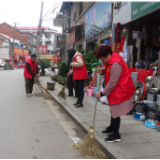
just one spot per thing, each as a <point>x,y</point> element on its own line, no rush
<point>27,12</point>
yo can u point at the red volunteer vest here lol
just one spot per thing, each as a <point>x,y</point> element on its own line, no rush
<point>79,73</point>
<point>33,68</point>
<point>125,88</point>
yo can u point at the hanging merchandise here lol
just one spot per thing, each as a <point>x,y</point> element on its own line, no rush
<point>141,64</point>
<point>150,54</point>
<point>138,43</point>
<point>114,47</point>
<point>147,56</point>
<point>118,32</point>
<point>118,48</point>
<point>154,55</point>
<point>122,44</point>
<point>123,39</point>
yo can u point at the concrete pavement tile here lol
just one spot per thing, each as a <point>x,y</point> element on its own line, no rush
<point>131,122</point>
<point>85,125</point>
<point>119,155</point>
<point>153,157</point>
<point>98,123</point>
<point>83,109</point>
<point>130,138</point>
<point>137,128</point>
<point>89,113</point>
<point>122,131</point>
<point>109,146</point>
<point>150,136</point>
<point>98,117</point>
<point>126,117</point>
<point>135,150</point>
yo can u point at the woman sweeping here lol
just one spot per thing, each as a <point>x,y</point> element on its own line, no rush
<point>79,75</point>
<point>119,89</point>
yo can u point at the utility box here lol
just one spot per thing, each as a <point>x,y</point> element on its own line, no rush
<point>139,35</point>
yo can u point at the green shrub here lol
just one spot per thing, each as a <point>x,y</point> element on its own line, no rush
<point>62,69</point>
<point>44,64</point>
<point>89,58</point>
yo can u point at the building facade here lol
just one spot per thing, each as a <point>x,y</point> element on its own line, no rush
<point>47,37</point>
<point>4,46</point>
<point>78,21</point>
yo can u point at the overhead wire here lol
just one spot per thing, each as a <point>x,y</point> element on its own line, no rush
<point>49,10</point>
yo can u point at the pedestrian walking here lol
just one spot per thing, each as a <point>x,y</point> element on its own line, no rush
<point>30,72</point>
<point>119,89</point>
<point>79,72</point>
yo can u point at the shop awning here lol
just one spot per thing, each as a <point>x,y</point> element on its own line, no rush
<point>6,58</point>
<point>94,30</point>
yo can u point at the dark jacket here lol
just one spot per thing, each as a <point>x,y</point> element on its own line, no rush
<point>68,65</point>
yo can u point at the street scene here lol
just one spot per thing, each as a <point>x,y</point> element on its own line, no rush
<point>80,80</point>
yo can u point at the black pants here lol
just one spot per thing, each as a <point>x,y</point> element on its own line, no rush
<point>80,89</point>
<point>71,85</point>
<point>115,125</point>
<point>29,85</point>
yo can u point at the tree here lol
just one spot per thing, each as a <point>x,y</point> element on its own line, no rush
<point>62,69</point>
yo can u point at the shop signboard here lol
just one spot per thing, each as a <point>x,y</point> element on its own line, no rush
<point>98,15</point>
<point>25,52</point>
<point>42,49</point>
<point>122,14</point>
<point>18,51</point>
<point>47,57</point>
<point>139,9</point>
<point>71,36</point>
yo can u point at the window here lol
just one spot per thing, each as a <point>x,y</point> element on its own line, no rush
<point>48,35</point>
<point>40,42</point>
<point>47,43</point>
<point>80,8</point>
<point>41,35</point>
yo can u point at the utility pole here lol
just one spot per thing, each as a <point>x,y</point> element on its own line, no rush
<point>39,28</point>
<point>14,39</point>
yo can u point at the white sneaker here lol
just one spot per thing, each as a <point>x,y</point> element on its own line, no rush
<point>29,95</point>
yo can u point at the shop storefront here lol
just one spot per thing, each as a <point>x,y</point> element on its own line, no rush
<point>53,59</point>
<point>98,24</point>
<point>137,36</point>
<point>20,57</point>
<point>137,40</point>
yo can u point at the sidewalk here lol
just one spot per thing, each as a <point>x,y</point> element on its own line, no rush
<point>138,141</point>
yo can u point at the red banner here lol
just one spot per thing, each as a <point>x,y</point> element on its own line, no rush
<point>42,49</point>
<point>18,51</point>
<point>25,52</point>
<point>118,48</point>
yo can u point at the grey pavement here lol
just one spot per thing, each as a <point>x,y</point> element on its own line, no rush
<point>138,141</point>
<point>32,127</point>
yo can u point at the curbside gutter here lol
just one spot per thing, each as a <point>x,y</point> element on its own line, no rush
<point>76,118</point>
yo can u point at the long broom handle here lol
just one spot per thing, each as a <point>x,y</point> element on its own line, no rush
<point>95,108</point>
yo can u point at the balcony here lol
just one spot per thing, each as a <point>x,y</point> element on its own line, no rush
<point>58,21</point>
<point>61,40</point>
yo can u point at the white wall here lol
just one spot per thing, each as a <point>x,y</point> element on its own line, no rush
<point>50,47</point>
<point>4,52</point>
<point>73,10</point>
<point>122,16</point>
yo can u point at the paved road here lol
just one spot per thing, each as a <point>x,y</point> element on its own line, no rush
<point>31,127</point>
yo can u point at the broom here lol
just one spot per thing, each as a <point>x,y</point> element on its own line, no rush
<point>62,93</point>
<point>90,146</point>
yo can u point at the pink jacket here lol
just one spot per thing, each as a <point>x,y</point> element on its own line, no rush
<point>123,108</point>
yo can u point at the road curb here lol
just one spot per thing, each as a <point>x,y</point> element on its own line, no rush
<point>74,117</point>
